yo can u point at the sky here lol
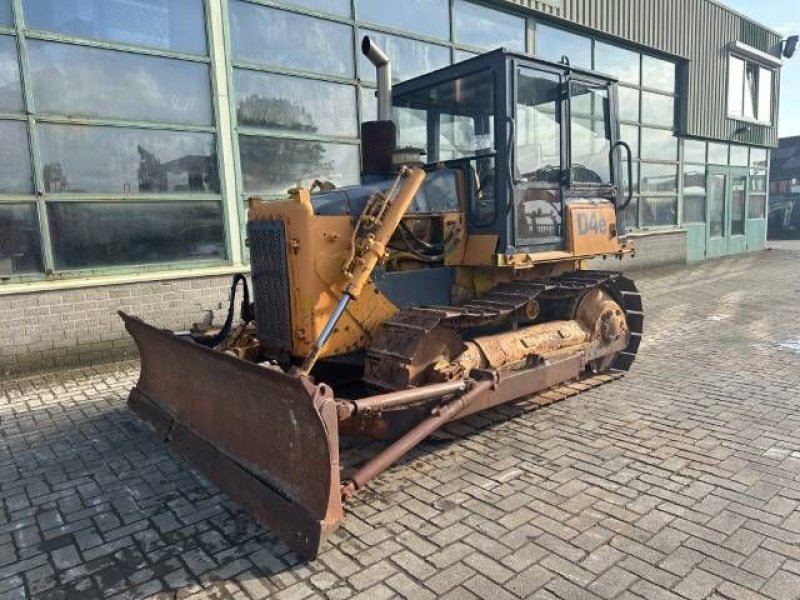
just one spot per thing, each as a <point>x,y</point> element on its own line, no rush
<point>782,16</point>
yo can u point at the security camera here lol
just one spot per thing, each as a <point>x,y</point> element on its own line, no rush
<point>790,46</point>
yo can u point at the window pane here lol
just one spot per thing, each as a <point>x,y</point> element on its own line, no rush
<point>716,199</point>
<point>590,142</point>
<point>717,153</point>
<point>630,215</point>
<point>15,159</point>
<point>464,55</point>
<point>735,86</point>
<point>659,178</point>
<point>658,74</point>
<point>275,37</point>
<point>738,205</point>
<point>409,58</point>
<point>618,62</point>
<point>694,151</point>
<point>694,179</point>
<point>487,28</point>
<point>739,156</point>
<point>659,144</point>
<point>758,157</point>
<point>630,135</point>
<point>126,161</point>
<point>628,103</point>
<point>6,18</point>
<point>694,209</point>
<point>10,88</point>
<point>625,183</point>
<point>658,109</point>
<point>758,181</point>
<point>271,166</point>
<point>423,17</point>
<point>170,24</point>
<point>107,234</point>
<point>757,207</point>
<point>750,91</point>
<point>553,43</point>
<point>20,251</point>
<point>765,95</point>
<point>293,103</point>
<point>538,126</point>
<point>338,7</point>
<point>658,211</point>
<point>80,81</point>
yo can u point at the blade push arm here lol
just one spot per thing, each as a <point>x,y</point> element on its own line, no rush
<point>375,227</point>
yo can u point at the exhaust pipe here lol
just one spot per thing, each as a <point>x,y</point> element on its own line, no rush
<point>384,75</point>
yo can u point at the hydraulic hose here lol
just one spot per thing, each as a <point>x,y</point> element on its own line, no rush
<point>226,327</point>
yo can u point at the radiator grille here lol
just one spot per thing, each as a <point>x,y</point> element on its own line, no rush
<point>270,283</point>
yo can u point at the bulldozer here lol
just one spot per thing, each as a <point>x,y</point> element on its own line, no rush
<point>451,280</point>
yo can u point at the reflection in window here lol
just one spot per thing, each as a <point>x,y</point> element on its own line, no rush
<point>717,185</point>
<point>694,209</point>
<point>590,139</point>
<point>658,74</point>
<point>412,128</point>
<point>423,17</point>
<point>6,18</point>
<point>629,218</point>
<point>617,62</point>
<point>758,181</point>
<point>658,109</point>
<point>659,178</point>
<point>271,166</point>
<point>15,159</point>
<point>409,58</point>
<point>487,28</point>
<point>461,55</point>
<point>630,135</point>
<point>295,104</point>
<point>739,156</point>
<point>717,153</point>
<point>658,211</point>
<point>694,151</point>
<point>628,103</point>
<point>694,180</point>
<point>757,207</point>
<point>105,234</point>
<point>758,157</point>
<point>626,182</point>
<point>659,144</point>
<point>338,7</point>
<point>20,250</point>
<point>269,36</point>
<point>738,205</point>
<point>127,161</point>
<point>76,80</point>
<point>538,130</point>
<point>177,25</point>
<point>553,43</point>
<point>10,88</point>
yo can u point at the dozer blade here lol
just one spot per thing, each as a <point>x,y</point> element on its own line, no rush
<point>268,439</point>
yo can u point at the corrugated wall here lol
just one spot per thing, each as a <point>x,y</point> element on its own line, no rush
<point>696,30</point>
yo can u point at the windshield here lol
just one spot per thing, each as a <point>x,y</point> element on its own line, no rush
<point>452,119</point>
<point>590,135</point>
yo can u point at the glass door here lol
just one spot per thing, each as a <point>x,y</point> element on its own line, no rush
<point>717,230</point>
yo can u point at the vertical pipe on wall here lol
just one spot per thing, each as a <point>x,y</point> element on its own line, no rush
<point>220,69</point>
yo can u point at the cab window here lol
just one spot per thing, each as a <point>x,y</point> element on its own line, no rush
<point>590,135</point>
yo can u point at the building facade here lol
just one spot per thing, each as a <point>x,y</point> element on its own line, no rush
<point>784,190</point>
<point>135,130</point>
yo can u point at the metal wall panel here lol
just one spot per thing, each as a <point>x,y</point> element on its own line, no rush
<point>697,31</point>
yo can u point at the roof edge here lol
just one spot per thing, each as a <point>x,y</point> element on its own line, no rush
<point>745,17</point>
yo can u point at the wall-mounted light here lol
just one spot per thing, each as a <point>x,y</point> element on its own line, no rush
<point>789,45</point>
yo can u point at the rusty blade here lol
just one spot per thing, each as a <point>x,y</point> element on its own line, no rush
<point>268,439</point>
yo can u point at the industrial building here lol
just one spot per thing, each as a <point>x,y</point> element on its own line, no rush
<point>135,130</point>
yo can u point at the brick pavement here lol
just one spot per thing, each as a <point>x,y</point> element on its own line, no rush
<point>681,481</point>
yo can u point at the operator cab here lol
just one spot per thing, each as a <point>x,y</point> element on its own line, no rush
<point>533,136</point>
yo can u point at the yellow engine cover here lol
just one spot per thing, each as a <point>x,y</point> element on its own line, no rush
<point>592,229</point>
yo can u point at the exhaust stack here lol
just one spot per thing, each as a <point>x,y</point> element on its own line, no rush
<point>379,138</point>
<point>384,77</point>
